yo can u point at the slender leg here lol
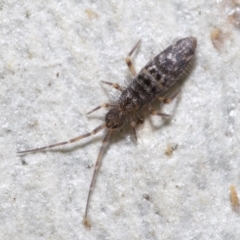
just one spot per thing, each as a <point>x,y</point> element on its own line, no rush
<point>157,113</point>
<point>95,173</point>
<point>114,85</point>
<point>96,130</point>
<point>168,100</point>
<point>104,105</point>
<point>128,60</point>
<point>133,125</point>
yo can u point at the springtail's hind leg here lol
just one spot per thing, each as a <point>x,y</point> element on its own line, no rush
<point>128,59</point>
<point>157,113</point>
<point>169,99</point>
<point>95,173</point>
<point>133,125</point>
<point>114,85</point>
<point>93,132</point>
<point>104,105</point>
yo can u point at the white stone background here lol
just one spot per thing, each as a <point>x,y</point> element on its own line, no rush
<point>53,56</point>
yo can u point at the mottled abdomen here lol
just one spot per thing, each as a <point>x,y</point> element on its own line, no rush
<point>168,66</point>
<point>158,75</point>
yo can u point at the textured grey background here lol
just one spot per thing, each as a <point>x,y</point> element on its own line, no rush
<point>53,56</point>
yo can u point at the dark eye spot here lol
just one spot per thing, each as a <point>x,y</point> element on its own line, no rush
<point>115,126</point>
<point>153,89</point>
<point>153,70</point>
<point>147,82</point>
<point>158,77</point>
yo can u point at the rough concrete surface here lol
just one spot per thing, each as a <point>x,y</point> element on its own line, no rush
<point>54,55</point>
